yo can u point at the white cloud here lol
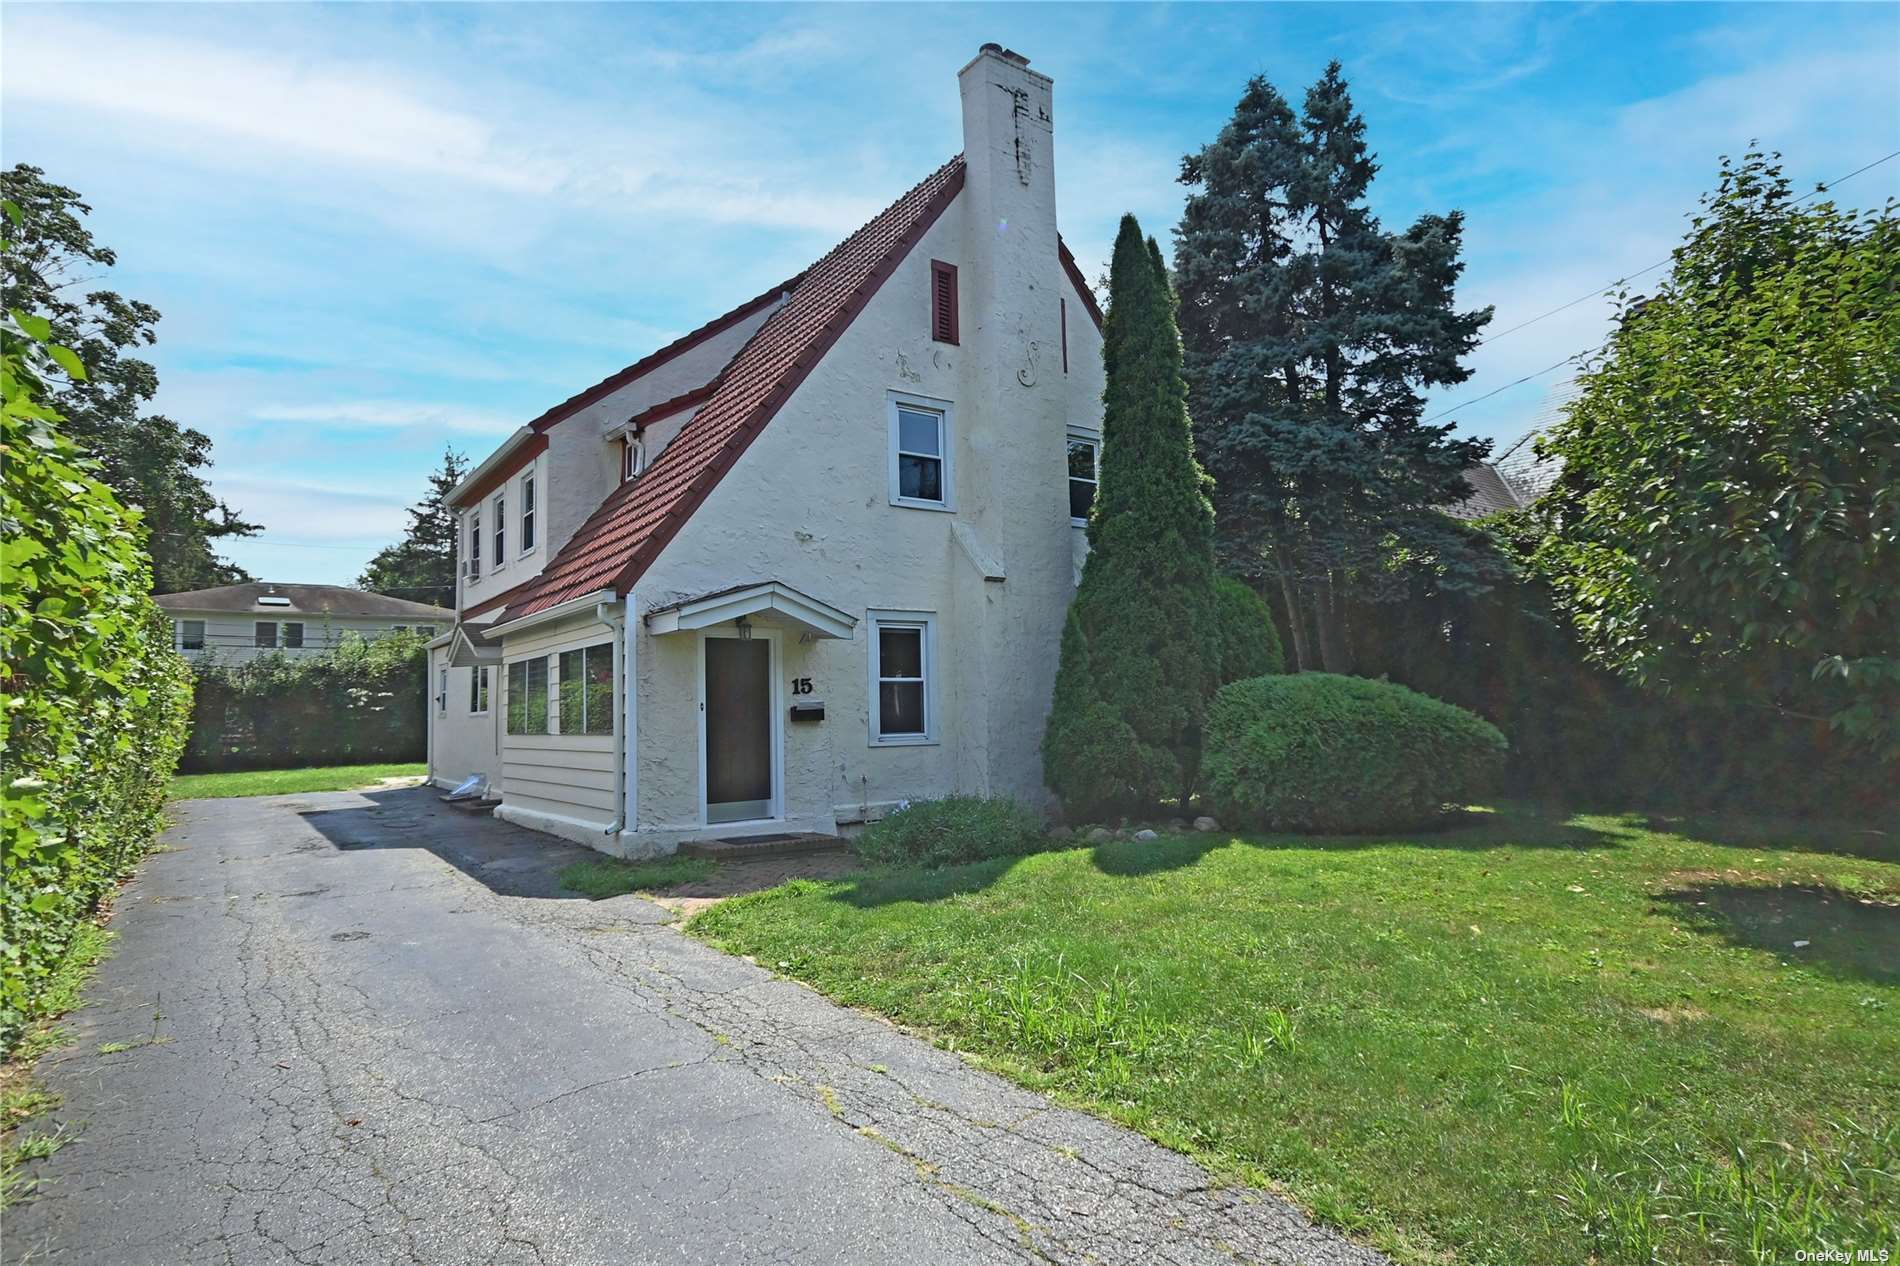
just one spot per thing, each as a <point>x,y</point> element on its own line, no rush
<point>390,414</point>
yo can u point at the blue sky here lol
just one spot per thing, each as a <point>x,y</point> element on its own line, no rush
<point>376,230</point>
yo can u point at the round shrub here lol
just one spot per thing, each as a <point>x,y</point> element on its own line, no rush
<point>952,830</point>
<point>1324,753</point>
<point>1249,644</point>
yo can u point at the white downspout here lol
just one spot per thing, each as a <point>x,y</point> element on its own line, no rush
<point>622,658</point>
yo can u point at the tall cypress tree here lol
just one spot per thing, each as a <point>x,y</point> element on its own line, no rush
<point>1309,332</point>
<point>421,566</point>
<point>1141,649</point>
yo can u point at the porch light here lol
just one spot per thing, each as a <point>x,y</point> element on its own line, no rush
<point>745,628</point>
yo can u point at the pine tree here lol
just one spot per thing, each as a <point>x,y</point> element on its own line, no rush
<point>421,566</point>
<point>1309,332</point>
<point>1141,648</point>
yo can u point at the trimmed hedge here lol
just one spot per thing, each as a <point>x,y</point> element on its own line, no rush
<point>92,714</point>
<point>364,702</point>
<point>1323,753</point>
<point>952,830</point>
<point>1249,644</point>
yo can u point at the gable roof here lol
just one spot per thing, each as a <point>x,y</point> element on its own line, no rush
<point>304,600</point>
<point>623,537</point>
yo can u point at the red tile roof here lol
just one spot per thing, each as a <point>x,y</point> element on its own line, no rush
<point>623,537</point>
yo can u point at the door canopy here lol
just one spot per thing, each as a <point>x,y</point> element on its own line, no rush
<point>769,597</point>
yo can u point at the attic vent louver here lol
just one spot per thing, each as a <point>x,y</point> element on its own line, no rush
<point>943,301</point>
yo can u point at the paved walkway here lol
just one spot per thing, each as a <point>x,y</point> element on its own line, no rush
<point>363,1028</point>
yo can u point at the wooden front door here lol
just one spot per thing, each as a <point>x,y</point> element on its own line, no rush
<point>738,729</point>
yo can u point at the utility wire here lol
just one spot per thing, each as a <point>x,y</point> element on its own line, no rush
<point>1571,359</point>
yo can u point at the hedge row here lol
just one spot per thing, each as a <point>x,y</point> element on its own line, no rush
<point>362,702</point>
<point>93,699</point>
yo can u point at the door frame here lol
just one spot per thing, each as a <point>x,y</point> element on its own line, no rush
<point>775,722</point>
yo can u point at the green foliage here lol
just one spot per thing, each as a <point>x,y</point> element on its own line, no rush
<point>1728,519</point>
<point>1249,644</point>
<point>1310,333</point>
<point>1553,1038</point>
<point>1141,649</point>
<point>1322,753</point>
<point>952,830</point>
<point>611,877</point>
<point>283,782</point>
<point>94,700</point>
<point>359,703</point>
<point>148,460</point>
<point>421,566</point>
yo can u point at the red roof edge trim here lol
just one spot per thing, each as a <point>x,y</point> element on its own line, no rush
<point>500,599</point>
<point>1081,283</point>
<point>665,408</point>
<point>749,430</point>
<point>495,478</point>
<point>686,342</point>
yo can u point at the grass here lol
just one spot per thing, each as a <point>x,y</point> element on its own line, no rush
<point>279,782</point>
<point>21,1098</point>
<point>1534,1038</point>
<point>610,877</point>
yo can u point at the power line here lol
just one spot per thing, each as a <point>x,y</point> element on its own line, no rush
<point>1603,290</point>
<point>1577,356</point>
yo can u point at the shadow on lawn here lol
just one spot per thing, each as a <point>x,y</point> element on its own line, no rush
<point>1843,935</point>
<point>1778,835</point>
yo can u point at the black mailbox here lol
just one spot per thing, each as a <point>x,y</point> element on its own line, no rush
<point>808,712</point>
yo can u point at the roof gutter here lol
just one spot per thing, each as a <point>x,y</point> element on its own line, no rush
<point>573,606</point>
<point>473,479</point>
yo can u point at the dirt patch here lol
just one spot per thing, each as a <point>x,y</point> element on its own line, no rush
<point>1672,1015</point>
<point>733,879</point>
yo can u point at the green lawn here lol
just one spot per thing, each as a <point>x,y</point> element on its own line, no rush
<point>611,877</point>
<point>1533,1039</point>
<point>278,782</point>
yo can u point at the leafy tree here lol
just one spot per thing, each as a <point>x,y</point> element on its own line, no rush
<point>147,459</point>
<point>421,566</point>
<point>1309,332</point>
<point>1141,651</point>
<point>1728,518</point>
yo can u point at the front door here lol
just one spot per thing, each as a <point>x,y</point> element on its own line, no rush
<point>738,729</point>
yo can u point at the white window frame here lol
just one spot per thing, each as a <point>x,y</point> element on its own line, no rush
<point>472,557</point>
<point>500,532</point>
<point>257,631</point>
<point>180,640</point>
<point>442,695</point>
<point>926,621</point>
<point>283,634</point>
<point>633,456</point>
<point>946,442</point>
<point>1093,438</point>
<point>529,540</point>
<point>480,686</point>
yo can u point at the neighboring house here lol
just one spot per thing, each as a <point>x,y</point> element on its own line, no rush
<point>235,623</point>
<point>1518,476</point>
<point>812,559</point>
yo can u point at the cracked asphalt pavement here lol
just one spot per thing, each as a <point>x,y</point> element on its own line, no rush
<point>366,1028</point>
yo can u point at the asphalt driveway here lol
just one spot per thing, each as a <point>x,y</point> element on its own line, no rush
<point>364,1028</point>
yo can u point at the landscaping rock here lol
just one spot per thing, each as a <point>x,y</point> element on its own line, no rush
<point>1100,835</point>
<point>1145,836</point>
<point>1206,824</point>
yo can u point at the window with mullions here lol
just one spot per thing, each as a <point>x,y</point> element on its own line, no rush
<point>902,648</point>
<point>478,690</point>
<point>587,690</point>
<point>920,468</point>
<point>1084,463</point>
<point>528,696</point>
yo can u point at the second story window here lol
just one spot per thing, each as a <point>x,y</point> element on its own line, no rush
<point>472,558</point>
<point>1084,463</point>
<point>501,529</point>
<point>191,635</point>
<point>527,512</point>
<point>264,633</point>
<point>920,455</point>
<point>633,456</point>
<point>293,636</point>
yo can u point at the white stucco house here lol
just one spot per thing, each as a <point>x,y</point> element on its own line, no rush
<point>811,559</point>
<point>233,624</point>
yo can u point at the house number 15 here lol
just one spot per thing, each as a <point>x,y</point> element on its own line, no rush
<point>801,685</point>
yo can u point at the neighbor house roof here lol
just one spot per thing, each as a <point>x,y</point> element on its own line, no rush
<point>617,543</point>
<point>303,600</point>
<point>1489,494</point>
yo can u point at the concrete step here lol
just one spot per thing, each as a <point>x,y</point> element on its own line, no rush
<point>760,847</point>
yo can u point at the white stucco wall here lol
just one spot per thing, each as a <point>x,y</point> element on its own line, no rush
<point>462,742</point>
<point>808,505</point>
<point>229,637</point>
